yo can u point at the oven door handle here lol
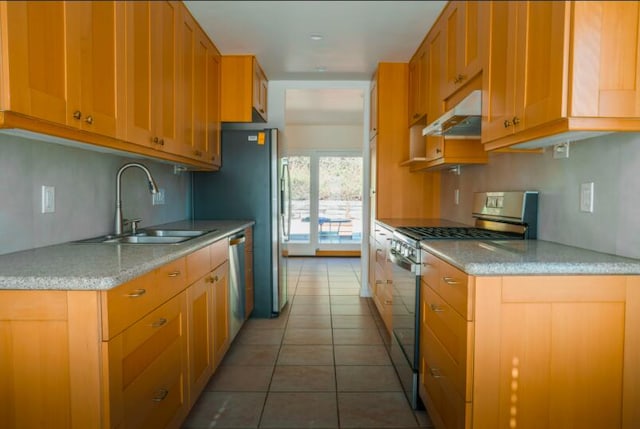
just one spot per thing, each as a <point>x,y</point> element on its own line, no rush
<point>402,262</point>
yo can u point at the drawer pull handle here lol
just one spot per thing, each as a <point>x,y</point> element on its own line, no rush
<point>162,394</point>
<point>174,273</point>
<point>450,281</point>
<point>160,322</point>
<point>436,308</point>
<point>435,373</point>
<point>137,293</point>
<point>211,279</point>
<point>388,302</point>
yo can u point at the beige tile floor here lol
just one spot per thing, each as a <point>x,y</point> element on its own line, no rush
<point>322,364</point>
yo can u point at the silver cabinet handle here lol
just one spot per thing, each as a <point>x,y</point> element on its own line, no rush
<point>435,372</point>
<point>162,394</point>
<point>436,308</point>
<point>160,322</point>
<point>175,273</point>
<point>450,281</point>
<point>137,293</point>
<point>89,120</point>
<point>77,114</point>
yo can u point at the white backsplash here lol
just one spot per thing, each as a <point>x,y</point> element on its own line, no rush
<point>84,184</point>
<point>612,162</point>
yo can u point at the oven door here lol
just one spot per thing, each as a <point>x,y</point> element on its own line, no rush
<point>405,324</point>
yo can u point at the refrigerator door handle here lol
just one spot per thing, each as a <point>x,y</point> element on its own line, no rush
<point>287,193</point>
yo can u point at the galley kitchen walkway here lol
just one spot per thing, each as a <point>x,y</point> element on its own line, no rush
<point>321,364</point>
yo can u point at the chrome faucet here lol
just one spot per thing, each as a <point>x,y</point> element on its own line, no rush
<point>152,187</point>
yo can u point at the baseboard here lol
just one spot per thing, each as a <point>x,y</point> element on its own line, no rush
<point>340,253</point>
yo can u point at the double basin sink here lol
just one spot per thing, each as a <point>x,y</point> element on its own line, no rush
<point>150,236</point>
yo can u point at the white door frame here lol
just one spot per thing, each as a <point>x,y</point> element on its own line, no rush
<point>309,249</point>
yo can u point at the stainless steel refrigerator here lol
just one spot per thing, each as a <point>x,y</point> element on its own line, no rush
<point>252,183</point>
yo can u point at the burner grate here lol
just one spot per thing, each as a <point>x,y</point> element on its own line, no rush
<point>455,233</point>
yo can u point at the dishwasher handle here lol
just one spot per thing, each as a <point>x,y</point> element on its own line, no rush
<point>237,240</point>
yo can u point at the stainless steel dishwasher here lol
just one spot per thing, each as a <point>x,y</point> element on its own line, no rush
<point>237,285</point>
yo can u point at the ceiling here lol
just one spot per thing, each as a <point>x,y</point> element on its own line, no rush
<point>356,36</point>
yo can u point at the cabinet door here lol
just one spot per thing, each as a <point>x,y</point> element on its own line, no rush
<point>138,73</point>
<point>36,60</point>
<point>606,59</point>
<point>213,106</point>
<point>418,81</point>
<point>540,95</point>
<point>221,312</point>
<point>201,313</point>
<point>436,61</point>
<point>499,78</point>
<point>186,58</point>
<point>260,86</point>
<point>200,96</point>
<point>462,46</point>
<point>373,107</point>
<point>91,65</point>
<point>164,70</point>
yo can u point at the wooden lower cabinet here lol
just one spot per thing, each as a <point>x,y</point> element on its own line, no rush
<point>532,352</point>
<point>135,356</point>
<point>381,276</point>
<point>147,367</point>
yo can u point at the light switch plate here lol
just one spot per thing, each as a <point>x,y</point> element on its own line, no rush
<point>48,199</point>
<point>586,197</point>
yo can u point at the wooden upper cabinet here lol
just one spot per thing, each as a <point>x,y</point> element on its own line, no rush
<point>373,106</point>
<point>606,66</point>
<point>558,67</point>
<point>260,90</point>
<point>244,89</point>
<point>61,62</point>
<point>463,44</point>
<point>214,106</point>
<point>418,84</point>
<point>151,74</point>
<point>435,61</point>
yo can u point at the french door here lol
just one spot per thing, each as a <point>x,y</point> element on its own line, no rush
<point>326,202</point>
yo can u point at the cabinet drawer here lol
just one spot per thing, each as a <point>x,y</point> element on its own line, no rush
<point>437,372</point>
<point>127,303</point>
<point>219,252</point>
<point>198,264</point>
<point>147,368</point>
<point>450,283</point>
<point>454,334</point>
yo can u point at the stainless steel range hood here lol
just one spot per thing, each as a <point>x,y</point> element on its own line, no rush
<point>463,121</point>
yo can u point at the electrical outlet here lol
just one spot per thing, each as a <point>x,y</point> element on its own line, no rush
<point>561,151</point>
<point>456,197</point>
<point>157,199</point>
<point>48,199</point>
<point>586,197</point>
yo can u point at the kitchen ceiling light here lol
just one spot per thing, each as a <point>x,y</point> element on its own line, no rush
<point>316,36</point>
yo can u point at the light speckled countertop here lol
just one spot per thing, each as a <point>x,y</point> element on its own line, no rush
<point>82,266</point>
<point>528,257</point>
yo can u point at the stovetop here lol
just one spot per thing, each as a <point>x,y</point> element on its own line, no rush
<point>418,233</point>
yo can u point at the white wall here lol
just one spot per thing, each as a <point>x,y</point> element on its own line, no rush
<point>324,137</point>
<point>612,162</point>
<point>84,191</point>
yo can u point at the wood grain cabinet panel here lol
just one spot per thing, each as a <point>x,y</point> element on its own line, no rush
<point>61,62</point>
<point>534,351</point>
<point>557,67</point>
<point>463,58</point>
<point>244,89</point>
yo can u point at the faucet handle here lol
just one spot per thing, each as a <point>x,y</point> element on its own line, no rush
<point>134,224</point>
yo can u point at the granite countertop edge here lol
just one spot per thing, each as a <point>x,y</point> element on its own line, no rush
<point>570,260</point>
<point>24,270</point>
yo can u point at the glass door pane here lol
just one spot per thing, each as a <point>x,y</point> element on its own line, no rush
<point>300,174</point>
<point>339,200</point>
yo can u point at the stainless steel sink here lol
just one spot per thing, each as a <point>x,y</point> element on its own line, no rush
<point>150,236</point>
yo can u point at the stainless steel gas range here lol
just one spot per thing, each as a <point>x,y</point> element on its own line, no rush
<point>499,216</point>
